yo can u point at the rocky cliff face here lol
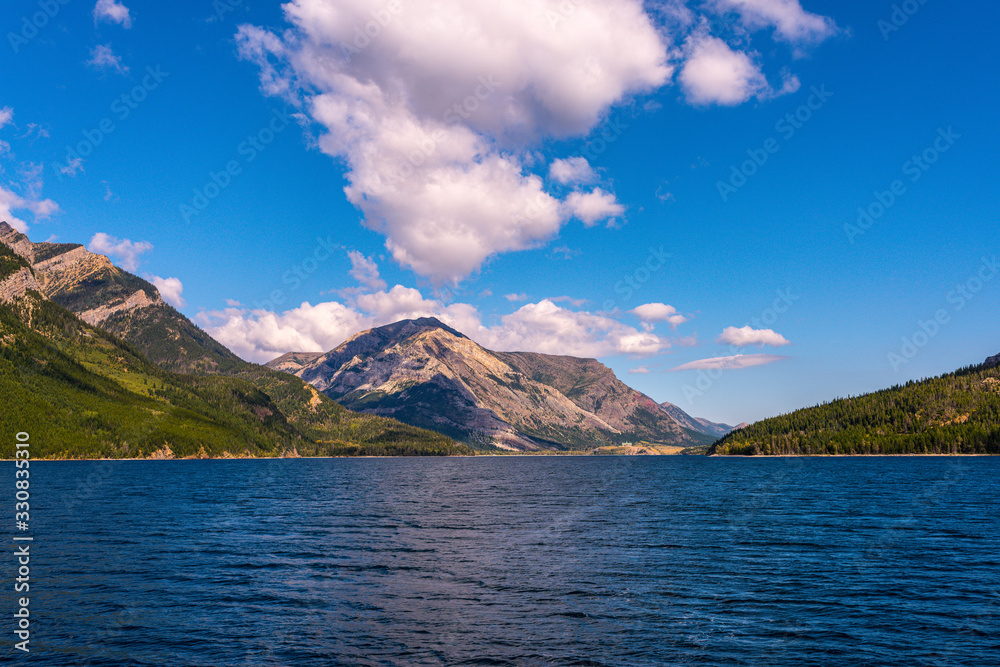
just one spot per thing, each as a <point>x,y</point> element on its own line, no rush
<point>17,284</point>
<point>425,373</point>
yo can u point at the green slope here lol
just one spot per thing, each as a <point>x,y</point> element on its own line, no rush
<point>958,413</point>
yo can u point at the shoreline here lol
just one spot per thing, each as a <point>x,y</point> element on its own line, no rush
<point>519,455</point>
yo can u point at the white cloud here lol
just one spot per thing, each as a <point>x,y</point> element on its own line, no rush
<point>594,206</point>
<point>572,170</point>
<point>103,57</point>
<point>730,363</point>
<point>170,289</point>
<point>6,115</point>
<point>37,130</point>
<point>124,250</point>
<point>259,335</point>
<point>437,107</point>
<point>791,22</point>
<point>750,336</point>
<point>659,312</point>
<point>435,115</point>
<point>516,297</point>
<point>715,73</point>
<point>641,370</point>
<point>365,270</point>
<point>112,12</point>
<point>233,303</point>
<point>11,201</point>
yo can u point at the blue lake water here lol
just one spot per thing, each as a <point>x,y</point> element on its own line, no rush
<point>512,561</point>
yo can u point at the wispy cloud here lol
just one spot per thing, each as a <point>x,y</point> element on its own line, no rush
<point>103,57</point>
<point>365,270</point>
<point>730,363</point>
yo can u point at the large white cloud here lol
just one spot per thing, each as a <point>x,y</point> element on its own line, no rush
<point>260,335</point>
<point>433,108</point>
<point>436,107</point>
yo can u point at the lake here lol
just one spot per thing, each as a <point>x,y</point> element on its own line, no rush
<point>513,561</point>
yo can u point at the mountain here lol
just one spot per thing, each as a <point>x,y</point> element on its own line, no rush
<point>427,374</point>
<point>82,382</point>
<point>698,424</point>
<point>957,413</point>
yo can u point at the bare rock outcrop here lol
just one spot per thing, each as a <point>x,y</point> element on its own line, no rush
<point>17,284</point>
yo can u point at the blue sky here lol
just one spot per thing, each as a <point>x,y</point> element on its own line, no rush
<point>580,200</point>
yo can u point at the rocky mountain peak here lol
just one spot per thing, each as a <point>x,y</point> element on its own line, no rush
<point>423,372</point>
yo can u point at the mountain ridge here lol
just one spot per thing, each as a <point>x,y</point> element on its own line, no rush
<point>426,373</point>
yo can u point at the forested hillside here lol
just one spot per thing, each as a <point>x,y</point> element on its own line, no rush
<point>958,413</point>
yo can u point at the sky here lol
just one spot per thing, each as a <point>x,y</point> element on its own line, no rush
<point>742,207</point>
